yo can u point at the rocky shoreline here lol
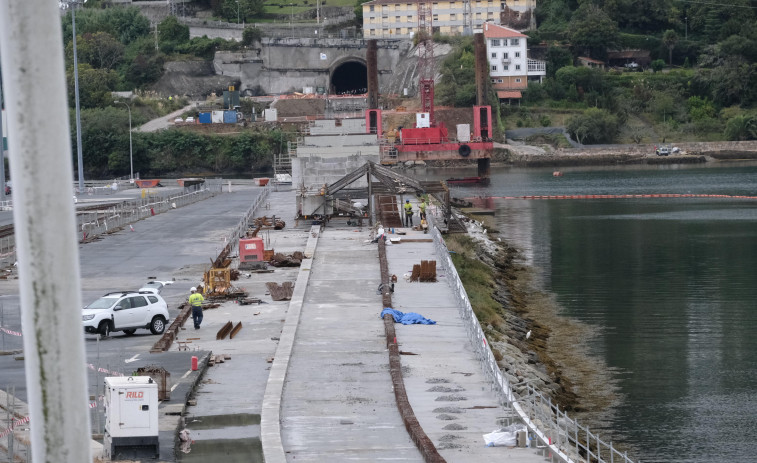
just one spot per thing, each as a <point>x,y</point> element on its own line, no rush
<point>601,157</point>
<point>551,358</point>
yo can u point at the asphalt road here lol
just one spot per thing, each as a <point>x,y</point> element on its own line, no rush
<point>177,245</point>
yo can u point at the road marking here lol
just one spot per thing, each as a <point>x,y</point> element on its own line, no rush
<point>133,359</point>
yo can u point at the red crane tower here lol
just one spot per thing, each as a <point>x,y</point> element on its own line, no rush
<point>426,61</point>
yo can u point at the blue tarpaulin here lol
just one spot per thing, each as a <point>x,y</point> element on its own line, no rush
<point>410,318</point>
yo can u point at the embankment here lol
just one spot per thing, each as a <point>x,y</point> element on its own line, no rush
<point>533,343</point>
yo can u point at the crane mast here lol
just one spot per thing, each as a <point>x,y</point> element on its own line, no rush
<point>426,61</point>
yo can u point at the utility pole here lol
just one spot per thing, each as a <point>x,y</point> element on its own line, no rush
<point>131,157</point>
<point>79,156</point>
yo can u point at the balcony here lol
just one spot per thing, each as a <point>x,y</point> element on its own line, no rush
<point>537,66</point>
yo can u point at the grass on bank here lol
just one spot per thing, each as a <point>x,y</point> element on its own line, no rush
<point>478,280</point>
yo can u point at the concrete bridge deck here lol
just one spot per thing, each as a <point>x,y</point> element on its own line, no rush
<point>328,395</point>
<point>307,379</point>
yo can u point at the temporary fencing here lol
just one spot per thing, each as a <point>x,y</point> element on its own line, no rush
<point>97,222</point>
<point>562,437</point>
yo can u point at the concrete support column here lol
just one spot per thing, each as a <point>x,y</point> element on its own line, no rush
<point>43,214</point>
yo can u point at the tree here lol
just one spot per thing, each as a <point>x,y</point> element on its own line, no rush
<point>658,65</point>
<point>592,30</point>
<point>557,57</point>
<point>670,39</point>
<point>742,127</point>
<point>172,33</point>
<point>95,86</point>
<point>99,49</point>
<point>251,35</point>
<point>594,126</point>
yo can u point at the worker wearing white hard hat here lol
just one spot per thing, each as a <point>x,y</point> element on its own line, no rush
<point>195,300</point>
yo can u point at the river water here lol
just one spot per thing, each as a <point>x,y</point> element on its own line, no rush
<point>667,285</point>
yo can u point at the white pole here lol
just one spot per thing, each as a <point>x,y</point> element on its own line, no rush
<point>131,157</point>
<point>76,97</point>
<point>48,263</point>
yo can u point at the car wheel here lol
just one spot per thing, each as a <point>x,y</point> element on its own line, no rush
<point>158,325</point>
<point>129,332</point>
<point>104,328</point>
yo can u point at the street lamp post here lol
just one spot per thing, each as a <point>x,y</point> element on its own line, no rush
<point>687,28</point>
<point>73,4</point>
<point>237,11</point>
<point>131,157</point>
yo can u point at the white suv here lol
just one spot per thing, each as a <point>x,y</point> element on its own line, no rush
<point>126,311</point>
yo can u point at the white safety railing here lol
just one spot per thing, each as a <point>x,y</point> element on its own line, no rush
<point>107,219</point>
<point>563,437</point>
<point>241,228</point>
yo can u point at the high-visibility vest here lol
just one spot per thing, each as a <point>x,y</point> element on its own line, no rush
<point>422,207</point>
<point>408,208</point>
<point>195,300</point>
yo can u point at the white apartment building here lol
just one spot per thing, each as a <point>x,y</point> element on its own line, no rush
<point>399,19</point>
<point>510,68</point>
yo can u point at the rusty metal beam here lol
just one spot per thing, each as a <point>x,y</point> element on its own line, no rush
<point>235,330</point>
<point>171,333</point>
<point>224,331</point>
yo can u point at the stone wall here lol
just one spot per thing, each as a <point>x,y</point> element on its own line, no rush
<point>694,148</point>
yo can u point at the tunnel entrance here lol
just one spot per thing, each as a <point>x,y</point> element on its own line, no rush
<point>349,78</point>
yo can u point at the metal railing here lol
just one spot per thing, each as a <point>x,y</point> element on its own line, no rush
<point>110,218</point>
<point>563,437</point>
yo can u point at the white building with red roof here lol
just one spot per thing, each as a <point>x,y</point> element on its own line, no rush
<point>510,68</point>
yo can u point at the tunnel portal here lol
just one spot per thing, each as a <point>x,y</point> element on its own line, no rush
<point>349,78</point>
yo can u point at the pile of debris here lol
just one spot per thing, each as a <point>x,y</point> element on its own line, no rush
<point>292,260</point>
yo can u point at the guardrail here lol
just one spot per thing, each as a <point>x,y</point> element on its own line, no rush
<point>565,438</point>
<point>113,217</point>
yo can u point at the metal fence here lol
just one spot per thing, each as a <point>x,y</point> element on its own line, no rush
<point>111,218</point>
<point>241,228</point>
<point>562,437</point>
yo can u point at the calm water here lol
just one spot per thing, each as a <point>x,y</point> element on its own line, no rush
<point>668,285</point>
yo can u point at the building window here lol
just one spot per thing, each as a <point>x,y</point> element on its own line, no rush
<point>452,4</point>
<point>409,30</point>
<point>517,81</point>
<point>435,17</point>
<point>371,8</point>
<point>517,67</point>
<point>409,18</point>
<point>495,42</point>
<point>396,6</point>
<point>373,31</point>
<point>453,17</point>
<point>396,19</point>
<point>517,54</point>
<point>505,55</point>
<point>505,67</point>
<point>490,15</point>
<point>478,16</point>
<point>397,31</point>
<point>494,55</point>
<point>499,81</point>
<point>494,67</point>
<point>514,41</point>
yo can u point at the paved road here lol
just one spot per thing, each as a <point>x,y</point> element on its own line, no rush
<point>165,121</point>
<point>175,245</point>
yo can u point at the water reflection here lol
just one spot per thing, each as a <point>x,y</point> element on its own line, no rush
<point>669,284</point>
